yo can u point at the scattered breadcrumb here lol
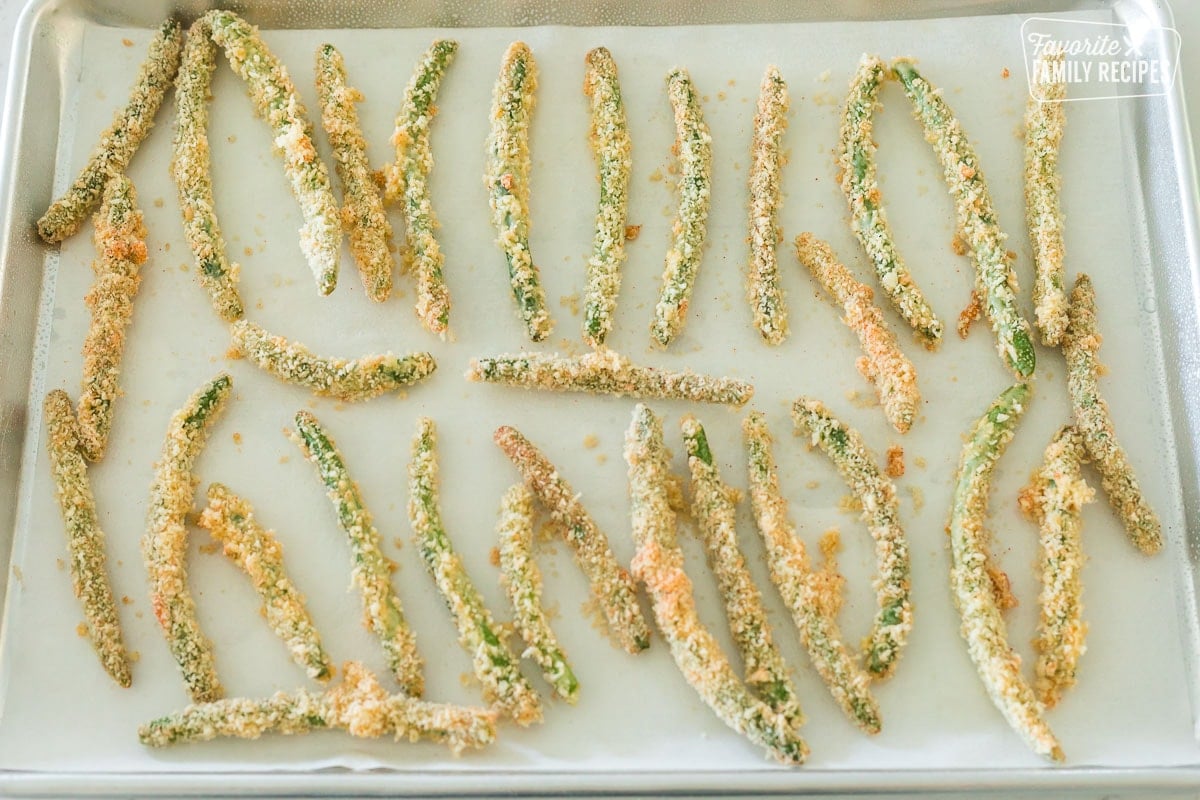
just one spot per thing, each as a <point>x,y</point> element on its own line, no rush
<point>895,461</point>
<point>972,312</point>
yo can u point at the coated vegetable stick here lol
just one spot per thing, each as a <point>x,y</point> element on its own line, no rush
<point>659,566</point>
<point>496,667</point>
<point>372,570</point>
<point>121,248</point>
<point>606,372</point>
<point>1054,497</point>
<point>277,101</point>
<point>1045,117</point>
<point>1081,346</point>
<point>358,705</point>
<point>813,606</point>
<point>522,582</point>
<point>868,219</point>
<point>507,180</point>
<point>694,147</point>
<point>363,216</point>
<point>191,169</point>
<point>117,145</point>
<point>349,380</point>
<point>983,625</point>
<point>164,547</point>
<point>408,180</point>
<point>230,520</point>
<point>766,163</point>
<point>85,540</point>
<point>611,584</point>
<point>881,512</point>
<point>994,275</point>
<point>609,138</point>
<point>883,363</point>
<point>714,509</point>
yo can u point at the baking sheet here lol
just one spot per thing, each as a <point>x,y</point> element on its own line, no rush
<point>61,714</point>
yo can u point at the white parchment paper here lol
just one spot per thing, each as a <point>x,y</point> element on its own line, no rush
<point>61,713</point>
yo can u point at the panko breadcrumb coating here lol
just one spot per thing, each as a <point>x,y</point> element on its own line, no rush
<point>85,540</point>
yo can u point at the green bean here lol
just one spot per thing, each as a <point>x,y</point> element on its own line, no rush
<point>606,372</point>
<point>408,180</point>
<point>611,584</point>
<point>507,180</point>
<point>121,248</point>
<point>994,275</point>
<point>358,705</point>
<point>164,547</point>
<point>1045,117</point>
<point>766,163</point>
<point>277,101</point>
<point>191,169</point>
<point>609,138</point>
<point>883,363</point>
<point>230,520</point>
<point>363,216</point>
<point>372,569</point>
<point>1081,346</point>
<point>1054,498</point>
<point>868,219</point>
<point>658,564</point>
<point>974,589</point>
<point>715,511</point>
<point>118,144</point>
<point>694,146</point>
<point>495,665</point>
<point>881,512</point>
<point>347,380</point>
<point>85,540</point>
<point>812,606</point>
<point>523,582</point>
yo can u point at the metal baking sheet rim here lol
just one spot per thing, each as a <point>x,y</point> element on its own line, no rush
<point>16,345</point>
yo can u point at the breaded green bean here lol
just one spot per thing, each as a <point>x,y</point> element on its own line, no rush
<point>497,669</point>
<point>994,275</point>
<point>868,219</point>
<point>1045,117</point>
<point>1054,498</point>
<point>658,564</point>
<point>363,216</point>
<point>191,169</point>
<point>121,249</point>
<point>883,363</point>
<point>611,584</point>
<point>164,547</point>
<point>715,511</point>
<point>408,180</point>
<point>983,626</point>
<point>230,520</point>
<point>766,164</point>
<point>349,380</point>
<point>606,372</point>
<point>117,145</point>
<point>609,138</point>
<point>1081,346</point>
<point>813,609</point>
<point>358,705</point>
<point>507,180</point>
<point>693,144</point>
<point>372,570</point>
<point>277,101</point>
<point>85,540</point>
<point>881,511</point>
<point>522,582</point>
